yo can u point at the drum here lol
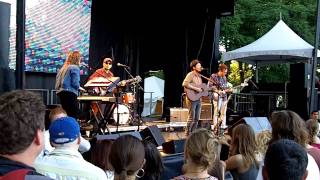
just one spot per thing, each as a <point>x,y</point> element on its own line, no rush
<point>128,98</point>
<point>124,114</point>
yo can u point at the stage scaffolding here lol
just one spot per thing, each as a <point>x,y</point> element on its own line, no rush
<point>258,103</point>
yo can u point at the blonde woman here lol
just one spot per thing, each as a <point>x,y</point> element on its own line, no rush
<point>200,152</point>
<point>262,140</point>
<point>313,129</point>
<point>242,162</point>
<point>68,84</point>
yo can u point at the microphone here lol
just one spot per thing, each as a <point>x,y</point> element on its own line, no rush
<point>204,69</point>
<point>122,65</point>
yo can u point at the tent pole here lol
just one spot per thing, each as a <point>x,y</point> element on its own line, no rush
<point>257,77</point>
<point>312,105</point>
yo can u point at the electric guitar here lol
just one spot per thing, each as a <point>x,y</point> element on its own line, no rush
<point>136,79</point>
<point>195,95</point>
<point>241,86</point>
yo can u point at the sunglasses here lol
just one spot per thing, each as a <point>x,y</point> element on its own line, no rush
<point>107,62</point>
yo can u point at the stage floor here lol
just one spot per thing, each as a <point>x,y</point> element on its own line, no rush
<point>170,131</point>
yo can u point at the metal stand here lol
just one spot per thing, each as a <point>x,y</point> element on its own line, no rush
<point>136,89</point>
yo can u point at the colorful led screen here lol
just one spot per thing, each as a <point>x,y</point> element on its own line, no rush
<point>53,28</point>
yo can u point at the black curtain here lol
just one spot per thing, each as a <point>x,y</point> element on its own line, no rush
<point>158,38</point>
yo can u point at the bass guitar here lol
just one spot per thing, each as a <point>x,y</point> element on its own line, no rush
<point>195,95</point>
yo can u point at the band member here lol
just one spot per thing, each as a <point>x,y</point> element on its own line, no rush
<point>68,84</point>
<point>219,84</point>
<point>105,73</point>
<point>192,82</point>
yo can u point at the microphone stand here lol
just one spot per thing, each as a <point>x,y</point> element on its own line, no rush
<point>136,84</point>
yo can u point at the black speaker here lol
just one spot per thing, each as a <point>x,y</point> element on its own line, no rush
<point>152,134</point>
<point>173,146</point>
<point>298,89</point>
<point>258,124</point>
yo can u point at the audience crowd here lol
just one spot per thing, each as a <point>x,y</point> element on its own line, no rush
<point>291,150</point>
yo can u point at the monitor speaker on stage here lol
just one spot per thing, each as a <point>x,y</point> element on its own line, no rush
<point>152,134</point>
<point>173,146</point>
<point>258,124</point>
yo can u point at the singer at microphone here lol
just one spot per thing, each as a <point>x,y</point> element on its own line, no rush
<point>122,65</point>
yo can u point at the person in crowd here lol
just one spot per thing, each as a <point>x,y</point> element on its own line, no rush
<point>218,167</point>
<point>192,85</point>
<point>285,159</point>
<point>287,124</point>
<point>153,166</point>
<point>22,116</point>
<point>100,156</point>
<point>68,84</point>
<point>242,161</point>
<point>65,161</point>
<point>314,115</point>
<point>127,157</point>
<point>219,84</point>
<point>262,140</point>
<point>200,152</point>
<point>313,129</point>
<point>56,114</point>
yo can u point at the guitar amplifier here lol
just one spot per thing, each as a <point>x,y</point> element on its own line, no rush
<point>206,111</point>
<point>179,114</point>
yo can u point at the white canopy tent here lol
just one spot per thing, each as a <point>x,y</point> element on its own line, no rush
<point>154,91</point>
<point>280,45</point>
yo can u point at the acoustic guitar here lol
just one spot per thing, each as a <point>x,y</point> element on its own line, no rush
<point>195,95</point>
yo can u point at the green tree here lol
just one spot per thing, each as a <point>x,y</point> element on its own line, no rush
<point>253,18</point>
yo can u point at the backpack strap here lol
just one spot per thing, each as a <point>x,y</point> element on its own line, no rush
<point>17,174</point>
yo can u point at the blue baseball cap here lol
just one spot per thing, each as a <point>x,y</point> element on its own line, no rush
<point>64,130</point>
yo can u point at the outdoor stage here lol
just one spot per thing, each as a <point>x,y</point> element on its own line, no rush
<point>169,130</point>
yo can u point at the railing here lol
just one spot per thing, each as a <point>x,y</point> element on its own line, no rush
<point>49,96</point>
<point>44,93</point>
<point>266,101</point>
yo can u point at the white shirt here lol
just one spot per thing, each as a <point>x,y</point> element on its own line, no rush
<point>68,164</point>
<point>313,169</point>
<point>84,145</point>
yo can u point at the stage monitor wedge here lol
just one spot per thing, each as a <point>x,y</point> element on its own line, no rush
<point>152,134</point>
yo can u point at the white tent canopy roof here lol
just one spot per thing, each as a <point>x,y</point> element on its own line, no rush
<point>280,45</point>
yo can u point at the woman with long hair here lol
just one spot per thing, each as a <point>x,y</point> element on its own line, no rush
<point>313,129</point>
<point>127,157</point>
<point>242,162</point>
<point>200,153</point>
<point>68,84</point>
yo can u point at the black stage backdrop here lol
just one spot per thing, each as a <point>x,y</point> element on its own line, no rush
<point>154,38</point>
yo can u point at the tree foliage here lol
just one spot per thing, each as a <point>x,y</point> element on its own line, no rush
<point>253,18</point>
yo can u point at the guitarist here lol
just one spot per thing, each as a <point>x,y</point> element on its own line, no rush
<point>218,84</point>
<point>191,82</point>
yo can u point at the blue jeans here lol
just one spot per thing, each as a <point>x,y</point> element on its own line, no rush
<point>194,115</point>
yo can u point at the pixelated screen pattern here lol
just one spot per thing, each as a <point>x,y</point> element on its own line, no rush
<point>53,28</point>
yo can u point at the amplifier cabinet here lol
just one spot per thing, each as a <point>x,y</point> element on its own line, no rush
<point>178,114</point>
<point>206,111</point>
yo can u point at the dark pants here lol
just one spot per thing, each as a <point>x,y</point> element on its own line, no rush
<point>194,115</point>
<point>69,103</point>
